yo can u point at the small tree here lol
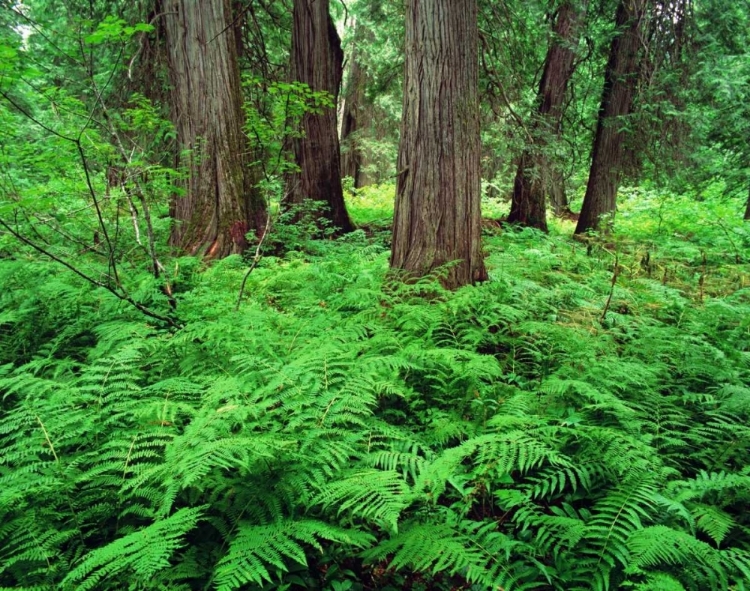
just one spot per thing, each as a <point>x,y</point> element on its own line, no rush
<point>354,110</point>
<point>437,216</point>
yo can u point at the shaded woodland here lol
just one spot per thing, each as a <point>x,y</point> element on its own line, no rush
<point>357,295</point>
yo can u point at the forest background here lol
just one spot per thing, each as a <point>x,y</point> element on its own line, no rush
<point>366,294</point>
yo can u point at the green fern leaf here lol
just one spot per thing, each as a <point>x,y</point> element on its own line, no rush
<point>143,553</point>
<point>256,548</point>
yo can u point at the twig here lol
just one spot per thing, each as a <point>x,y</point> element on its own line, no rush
<point>140,43</point>
<point>230,25</point>
<point>156,264</point>
<point>495,79</point>
<point>120,296</point>
<point>615,274</point>
<point>256,260</point>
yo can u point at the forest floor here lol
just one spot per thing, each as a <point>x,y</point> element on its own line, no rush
<point>579,421</point>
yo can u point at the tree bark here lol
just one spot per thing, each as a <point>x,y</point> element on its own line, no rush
<point>317,60</point>
<point>619,87</point>
<point>220,204</point>
<point>536,175</point>
<point>437,214</point>
<point>747,207</point>
<point>354,103</point>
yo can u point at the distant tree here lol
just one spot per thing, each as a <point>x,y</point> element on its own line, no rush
<point>317,60</point>
<point>220,204</point>
<point>620,81</point>
<point>536,175</point>
<point>437,214</point>
<point>355,107</point>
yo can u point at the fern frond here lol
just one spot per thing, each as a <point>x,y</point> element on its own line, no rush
<point>372,495</point>
<point>256,548</point>
<point>660,546</point>
<point>713,521</point>
<point>142,553</point>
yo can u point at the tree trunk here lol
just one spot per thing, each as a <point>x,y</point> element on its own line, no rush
<point>220,203</point>
<point>536,175</point>
<point>354,103</point>
<point>437,214</point>
<point>317,60</point>
<point>620,80</point>
<point>747,207</point>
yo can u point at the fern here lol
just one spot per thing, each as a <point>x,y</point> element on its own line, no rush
<point>498,437</point>
<point>141,554</point>
<point>662,546</point>
<point>257,548</point>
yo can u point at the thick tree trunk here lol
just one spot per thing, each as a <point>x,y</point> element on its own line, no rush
<point>536,175</point>
<point>617,98</point>
<point>317,60</point>
<point>220,204</point>
<point>437,215</point>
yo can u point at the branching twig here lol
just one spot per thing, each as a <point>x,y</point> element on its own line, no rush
<point>156,264</point>
<point>496,81</point>
<point>615,274</point>
<point>140,43</point>
<point>256,259</point>
<point>120,296</point>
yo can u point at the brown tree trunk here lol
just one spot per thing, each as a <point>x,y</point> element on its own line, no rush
<point>317,60</point>
<point>354,103</point>
<point>747,207</point>
<point>437,214</point>
<point>620,80</point>
<point>536,175</point>
<point>220,204</point>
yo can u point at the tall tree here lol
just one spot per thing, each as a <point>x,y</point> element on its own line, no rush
<point>437,214</point>
<point>620,80</point>
<point>317,60</point>
<point>220,204</point>
<point>354,108</point>
<point>537,175</point>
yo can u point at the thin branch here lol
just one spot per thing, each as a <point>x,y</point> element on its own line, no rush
<point>99,215</point>
<point>156,265</point>
<point>230,25</point>
<point>615,274</point>
<point>140,43</point>
<point>256,260</point>
<point>29,116</point>
<point>120,296</point>
<point>495,80</point>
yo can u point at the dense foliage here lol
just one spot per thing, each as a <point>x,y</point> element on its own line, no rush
<point>298,418</point>
<point>580,421</point>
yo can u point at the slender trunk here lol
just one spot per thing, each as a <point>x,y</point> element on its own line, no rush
<point>317,60</point>
<point>536,175</point>
<point>617,98</point>
<point>437,214</point>
<point>354,106</point>
<point>747,207</point>
<point>220,204</point>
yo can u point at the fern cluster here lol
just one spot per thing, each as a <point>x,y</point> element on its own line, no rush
<point>339,431</point>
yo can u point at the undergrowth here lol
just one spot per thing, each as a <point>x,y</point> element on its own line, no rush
<point>578,422</point>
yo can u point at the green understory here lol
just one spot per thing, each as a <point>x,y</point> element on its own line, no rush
<point>578,422</point>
